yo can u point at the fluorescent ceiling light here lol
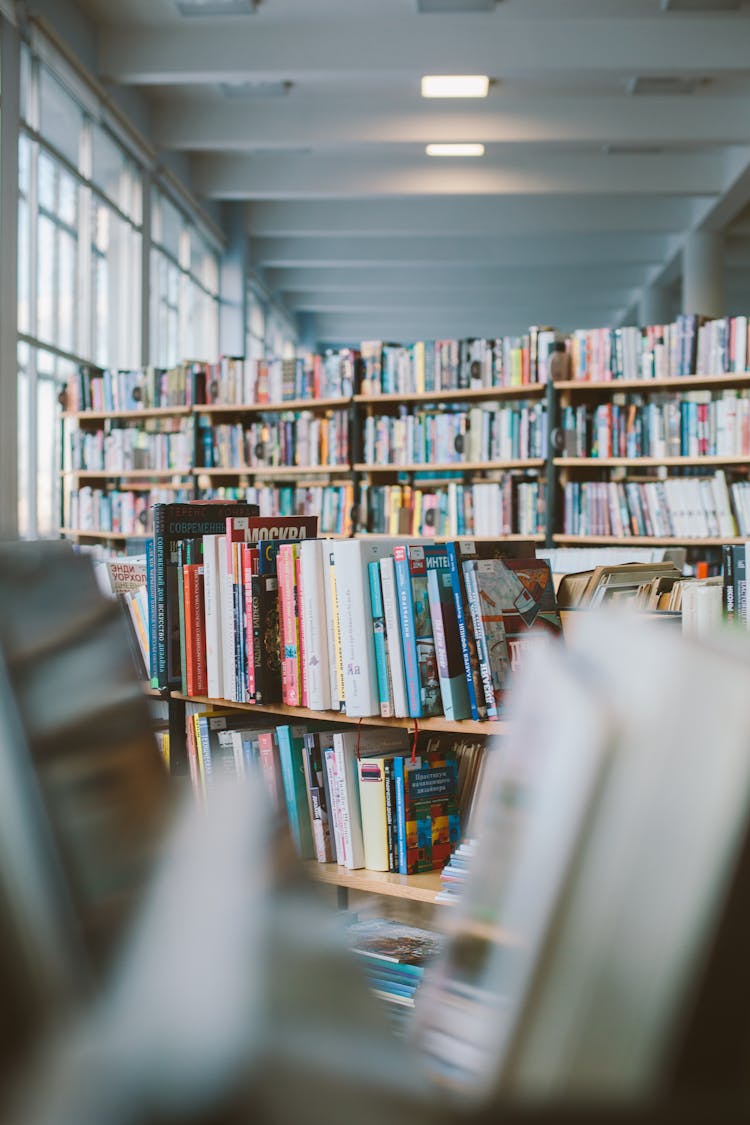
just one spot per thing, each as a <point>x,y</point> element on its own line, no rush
<point>455,150</point>
<point>455,86</point>
<point>216,7</point>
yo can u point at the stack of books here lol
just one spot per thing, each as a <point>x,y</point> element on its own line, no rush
<point>394,956</point>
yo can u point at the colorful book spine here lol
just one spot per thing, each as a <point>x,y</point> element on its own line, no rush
<point>381,643</point>
<point>453,688</point>
<point>485,670</point>
<point>393,635</point>
<point>291,742</point>
<point>288,626</point>
<point>372,800</point>
<point>476,702</point>
<point>408,634</point>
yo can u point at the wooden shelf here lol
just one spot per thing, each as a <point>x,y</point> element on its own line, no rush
<point>417,888</point>
<point>273,407</point>
<point>124,474</point>
<point>515,537</point>
<point>437,723</point>
<point>275,471</point>
<point>127,415</point>
<point>678,382</point>
<point>646,540</point>
<point>452,467</point>
<point>531,390</point>
<point>78,533</point>
<point>648,462</point>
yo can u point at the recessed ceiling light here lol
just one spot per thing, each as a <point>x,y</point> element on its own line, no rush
<point>455,150</point>
<point>255,89</point>
<point>459,6</point>
<point>455,86</point>
<point>216,7</point>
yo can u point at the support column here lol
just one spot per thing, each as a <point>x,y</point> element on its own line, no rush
<point>10,65</point>
<point>654,305</point>
<point>233,281</point>
<point>703,275</point>
<point>307,340</point>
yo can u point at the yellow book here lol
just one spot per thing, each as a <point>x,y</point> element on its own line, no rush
<point>516,367</point>
<point>372,801</point>
<point>416,527</point>
<point>336,632</point>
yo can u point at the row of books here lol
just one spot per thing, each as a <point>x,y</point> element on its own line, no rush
<point>453,365</point>
<point>512,505</point>
<point>698,424</point>
<point>116,510</point>
<point>356,798</point>
<point>161,444</point>
<point>94,388</point>
<point>294,438</point>
<point>333,374</point>
<point>490,432</point>
<point>692,507</point>
<point>369,626</point>
<point>333,504</point>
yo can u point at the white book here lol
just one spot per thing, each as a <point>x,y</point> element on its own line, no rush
<point>348,746</point>
<point>352,557</point>
<point>212,597</point>
<point>393,634</point>
<point>227,619</point>
<point>334,812</point>
<point>723,506</point>
<point>313,581</point>
<point>331,611</point>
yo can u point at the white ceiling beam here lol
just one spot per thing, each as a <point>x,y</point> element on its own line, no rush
<point>306,119</point>
<point>474,280</point>
<point>496,44</point>
<point>423,216</point>
<point>448,302</point>
<point>368,174</point>
<point>398,253</point>
<point>350,328</point>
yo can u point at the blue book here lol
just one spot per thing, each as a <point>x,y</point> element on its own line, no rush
<point>382,665</point>
<point>150,589</point>
<point>291,741</point>
<point>400,822</point>
<point>453,688</point>
<point>422,682</point>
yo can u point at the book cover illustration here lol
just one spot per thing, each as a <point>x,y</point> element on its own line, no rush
<point>427,811</point>
<point>519,610</point>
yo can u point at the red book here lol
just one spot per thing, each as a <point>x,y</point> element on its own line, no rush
<point>288,627</point>
<point>195,629</point>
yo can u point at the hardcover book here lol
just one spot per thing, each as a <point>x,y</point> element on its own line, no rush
<point>428,822</point>
<point>422,683</point>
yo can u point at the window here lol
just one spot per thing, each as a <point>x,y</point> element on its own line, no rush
<point>184,287</point>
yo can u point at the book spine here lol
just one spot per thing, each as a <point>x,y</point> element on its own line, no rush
<point>455,569</point>
<point>160,594</point>
<point>213,618</point>
<point>728,570</point>
<point>399,766</point>
<point>269,768</point>
<point>200,677</point>
<point>290,682</point>
<point>485,670</point>
<point>152,626</point>
<point>334,807</point>
<point>408,635</point>
<point>312,598</point>
<point>336,622</point>
<point>381,653</point>
<point>390,811</point>
<point>250,621</point>
<point>351,819</point>
<point>294,808</point>
<point>371,778</point>
<point>393,637</point>
<point>188,620</point>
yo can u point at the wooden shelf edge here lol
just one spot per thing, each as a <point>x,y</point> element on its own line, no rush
<point>115,415</point>
<point>339,401</point>
<point>671,382</point>
<point>452,467</point>
<point>272,470</point>
<point>435,723</point>
<point>417,888</point>
<point>125,474</point>
<point>649,462</point>
<point>96,534</point>
<point>648,540</point>
<point>529,390</point>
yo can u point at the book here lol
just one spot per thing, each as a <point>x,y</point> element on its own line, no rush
<point>348,748</point>
<point>454,692</point>
<point>374,775</point>
<point>313,604</point>
<point>381,641</point>
<point>174,523</point>
<point>289,636</point>
<point>351,559</point>
<point>420,662</point>
<point>291,741</point>
<point>318,800</point>
<point>458,551</point>
<point>428,822</point>
<point>395,651</point>
<point>480,639</point>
